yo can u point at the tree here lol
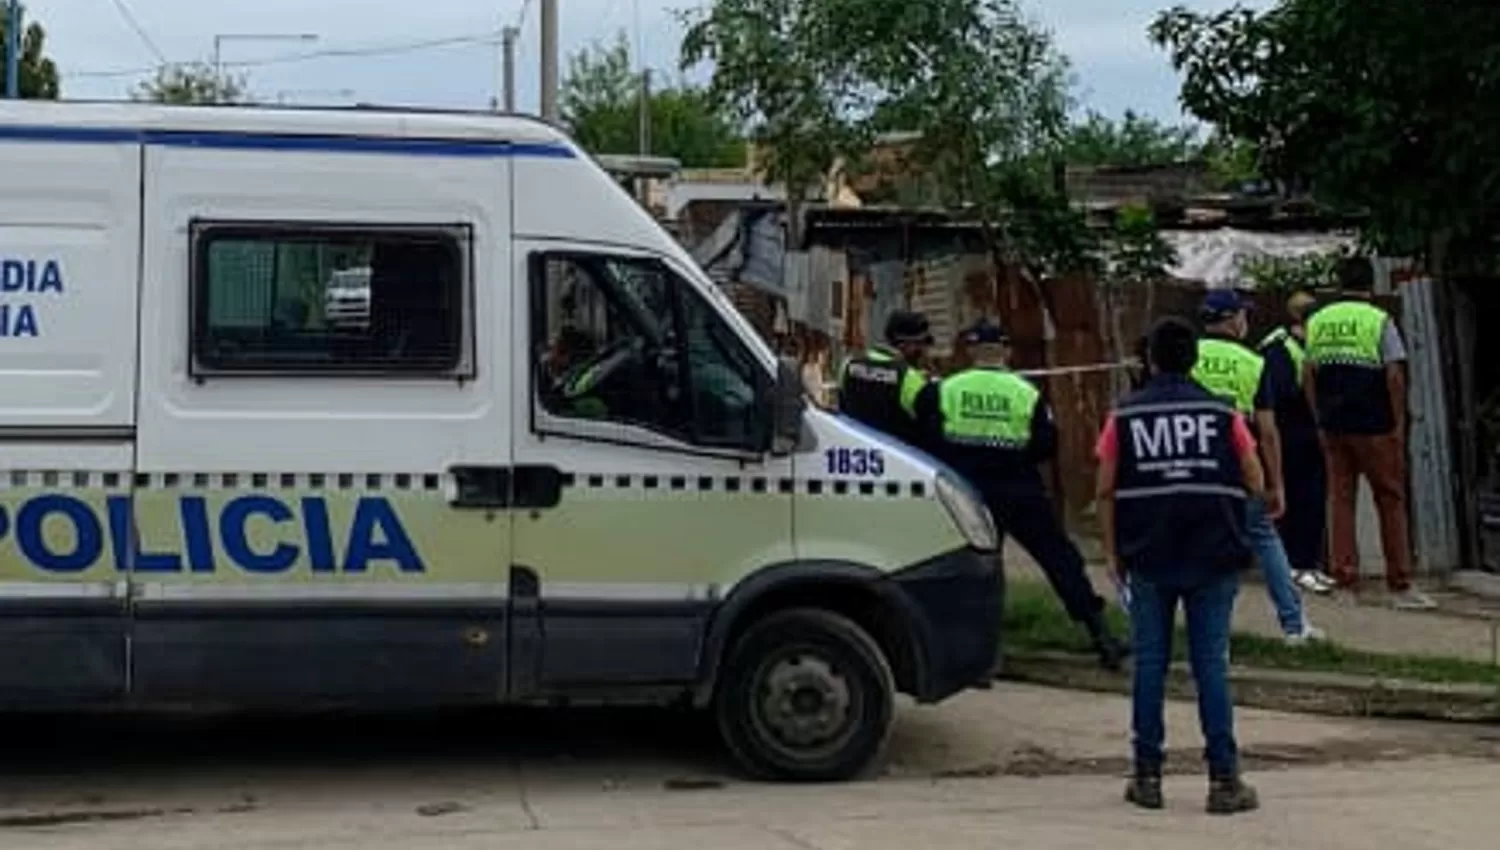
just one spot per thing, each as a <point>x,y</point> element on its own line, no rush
<point>980,91</point>
<point>781,69</point>
<point>1388,107</point>
<point>1135,140</point>
<point>38,73</point>
<point>196,83</point>
<point>600,101</point>
<point>984,90</point>
<point>1135,255</point>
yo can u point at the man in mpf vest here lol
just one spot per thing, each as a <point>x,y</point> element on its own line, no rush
<point>1236,375</point>
<point>1303,526</point>
<point>1175,465</point>
<point>992,426</point>
<point>1357,389</point>
<point>879,387</point>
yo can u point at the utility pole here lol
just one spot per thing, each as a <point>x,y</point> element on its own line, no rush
<point>645,131</point>
<point>508,68</point>
<point>549,61</point>
<point>13,50</point>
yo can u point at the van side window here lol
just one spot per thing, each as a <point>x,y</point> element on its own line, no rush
<point>299,298</point>
<point>626,342</point>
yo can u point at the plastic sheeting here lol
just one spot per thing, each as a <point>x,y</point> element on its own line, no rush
<point>1214,256</point>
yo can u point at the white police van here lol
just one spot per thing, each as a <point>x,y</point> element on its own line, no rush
<point>553,463</point>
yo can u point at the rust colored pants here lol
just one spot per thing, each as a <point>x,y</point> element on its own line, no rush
<point>1381,460</point>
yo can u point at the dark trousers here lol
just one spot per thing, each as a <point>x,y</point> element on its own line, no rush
<point>1025,514</point>
<point>1304,525</point>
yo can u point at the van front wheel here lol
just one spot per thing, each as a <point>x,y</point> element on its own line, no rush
<point>806,695</point>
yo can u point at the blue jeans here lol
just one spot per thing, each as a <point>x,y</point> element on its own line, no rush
<point>1275,567</point>
<point>1153,614</point>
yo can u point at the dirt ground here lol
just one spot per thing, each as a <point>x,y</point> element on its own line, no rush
<point>449,780</point>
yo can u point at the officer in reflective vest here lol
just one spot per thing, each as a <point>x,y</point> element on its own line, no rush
<point>1357,390</point>
<point>1175,464</point>
<point>992,426</point>
<point>1304,523</point>
<point>1236,375</point>
<point>879,387</point>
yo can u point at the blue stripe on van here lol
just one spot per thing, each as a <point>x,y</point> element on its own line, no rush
<point>284,142</point>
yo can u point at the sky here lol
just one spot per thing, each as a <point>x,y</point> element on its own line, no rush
<point>445,53</point>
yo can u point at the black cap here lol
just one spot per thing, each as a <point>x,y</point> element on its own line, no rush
<point>985,332</point>
<point>905,327</point>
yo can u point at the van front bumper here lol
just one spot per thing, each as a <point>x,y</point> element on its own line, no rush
<point>955,601</point>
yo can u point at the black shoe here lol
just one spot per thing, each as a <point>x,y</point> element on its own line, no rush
<point>1145,792</point>
<point>1112,652</point>
<point>1231,796</point>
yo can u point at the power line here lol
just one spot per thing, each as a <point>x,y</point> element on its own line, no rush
<point>140,31</point>
<point>330,53</point>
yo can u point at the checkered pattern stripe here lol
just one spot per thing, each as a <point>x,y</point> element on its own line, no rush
<point>434,482</point>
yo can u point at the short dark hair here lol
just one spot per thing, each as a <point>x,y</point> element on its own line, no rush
<point>1173,345</point>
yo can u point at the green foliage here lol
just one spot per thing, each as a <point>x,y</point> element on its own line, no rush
<point>1135,140</point>
<point>779,68</point>
<point>1387,106</point>
<point>600,100</point>
<point>38,72</point>
<point>1135,251</point>
<point>1289,274</point>
<point>982,91</point>
<point>1232,163</point>
<point>193,84</point>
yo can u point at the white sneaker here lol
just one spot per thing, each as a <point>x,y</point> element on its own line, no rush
<point>1314,582</point>
<point>1412,600</point>
<point>1309,634</point>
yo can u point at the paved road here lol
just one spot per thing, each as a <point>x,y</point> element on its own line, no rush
<point>1018,766</point>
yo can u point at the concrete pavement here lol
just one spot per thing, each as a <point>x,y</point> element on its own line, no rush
<point>1017,765</point>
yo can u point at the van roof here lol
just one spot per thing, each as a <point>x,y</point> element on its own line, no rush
<point>358,121</point>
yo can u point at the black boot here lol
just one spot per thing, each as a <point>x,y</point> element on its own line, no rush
<point>1231,795</point>
<point>1144,791</point>
<point>1112,653</point>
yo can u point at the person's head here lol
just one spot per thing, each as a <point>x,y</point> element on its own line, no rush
<point>1172,346</point>
<point>1224,312</point>
<point>987,344</point>
<point>1356,277</point>
<point>909,333</point>
<point>1299,307</point>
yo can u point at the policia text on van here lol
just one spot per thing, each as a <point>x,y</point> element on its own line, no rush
<point>547,461</point>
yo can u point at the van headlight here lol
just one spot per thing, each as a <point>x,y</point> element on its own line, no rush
<point>969,513</point>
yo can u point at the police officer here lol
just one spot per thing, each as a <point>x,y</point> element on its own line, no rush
<point>879,387</point>
<point>1175,465</point>
<point>1357,389</point>
<point>1303,525</point>
<point>991,425</point>
<point>1235,374</point>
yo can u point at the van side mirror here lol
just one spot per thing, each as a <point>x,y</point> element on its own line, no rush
<point>788,404</point>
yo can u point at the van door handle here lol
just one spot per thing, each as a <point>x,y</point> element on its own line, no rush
<point>485,487</point>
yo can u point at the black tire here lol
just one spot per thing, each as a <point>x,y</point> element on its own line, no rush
<point>836,675</point>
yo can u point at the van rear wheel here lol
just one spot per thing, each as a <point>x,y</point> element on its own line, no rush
<point>806,695</point>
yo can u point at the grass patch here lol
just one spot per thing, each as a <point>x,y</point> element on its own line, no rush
<point>1036,622</point>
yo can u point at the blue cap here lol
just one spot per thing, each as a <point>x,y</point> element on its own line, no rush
<point>1220,304</point>
<point>985,332</point>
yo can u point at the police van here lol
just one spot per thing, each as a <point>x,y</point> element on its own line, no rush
<point>552,463</point>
